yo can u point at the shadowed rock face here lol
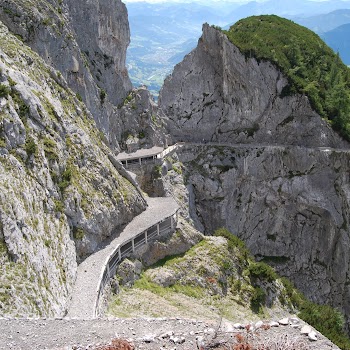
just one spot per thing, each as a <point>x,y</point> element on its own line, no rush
<point>217,94</point>
<point>291,205</point>
<point>86,41</point>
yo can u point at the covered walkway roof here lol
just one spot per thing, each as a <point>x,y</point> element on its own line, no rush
<point>141,153</point>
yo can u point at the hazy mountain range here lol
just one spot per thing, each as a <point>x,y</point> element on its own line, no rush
<point>163,33</point>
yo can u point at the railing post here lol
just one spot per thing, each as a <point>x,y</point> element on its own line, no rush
<point>146,237</point>
<point>171,222</point>
<point>119,254</point>
<point>108,273</point>
<point>158,228</point>
<point>133,245</point>
<point>126,163</point>
<point>140,161</point>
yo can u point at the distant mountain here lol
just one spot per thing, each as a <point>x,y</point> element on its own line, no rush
<point>324,22</point>
<point>297,10</point>
<point>162,34</point>
<point>339,40</point>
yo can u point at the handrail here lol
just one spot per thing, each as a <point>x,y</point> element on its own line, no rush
<point>108,269</point>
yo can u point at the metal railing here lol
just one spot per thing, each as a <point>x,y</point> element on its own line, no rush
<point>126,248</point>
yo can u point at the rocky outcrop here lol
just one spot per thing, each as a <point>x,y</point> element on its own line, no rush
<point>60,193</point>
<point>86,42</point>
<point>141,122</point>
<point>217,94</point>
<point>289,204</point>
<point>288,201</point>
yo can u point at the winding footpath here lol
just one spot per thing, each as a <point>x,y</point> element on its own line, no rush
<point>90,271</point>
<point>81,328</point>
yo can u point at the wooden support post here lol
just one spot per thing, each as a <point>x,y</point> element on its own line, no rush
<point>158,229</point>
<point>171,222</point>
<point>133,245</point>
<point>119,254</point>
<point>108,273</point>
<point>126,163</point>
<point>140,161</point>
<point>146,237</point>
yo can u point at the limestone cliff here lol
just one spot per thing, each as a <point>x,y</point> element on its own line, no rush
<point>289,204</point>
<point>141,122</point>
<point>267,175</point>
<point>86,41</point>
<point>217,94</point>
<point>61,193</point>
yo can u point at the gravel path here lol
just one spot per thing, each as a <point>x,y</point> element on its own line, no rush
<point>147,334</point>
<point>85,292</point>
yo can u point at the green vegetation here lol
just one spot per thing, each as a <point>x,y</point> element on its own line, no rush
<point>262,270</point>
<point>59,208</point>
<point>233,242</point>
<point>4,90</point>
<point>78,233</point>
<point>50,149</point>
<point>66,178</point>
<point>326,320</point>
<point>311,66</point>
<point>157,172</point>
<point>103,95</point>
<point>30,146</point>
<point>258,299</point>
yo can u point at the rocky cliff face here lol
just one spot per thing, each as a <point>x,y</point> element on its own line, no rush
<point>61,190</point>
<point>141,122</point>
<point>86,42</point>
<point>288,201</point>
<point>289,204</point>
<point>217,94</point>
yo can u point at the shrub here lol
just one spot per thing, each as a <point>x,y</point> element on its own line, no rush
<point>258,299</point>
<point>294,296</point>
<point>4,90</point>
<point>59,208</point>
<point>327,321</point>
<point>30,146</point>
<point>66,178</point>
<point>50,149</point>
<point>79,97</point>
<point>102,95</point>
<point>78,233</point>
<point>233,241</point>
<point>262,271</point>
<point>157,171</point>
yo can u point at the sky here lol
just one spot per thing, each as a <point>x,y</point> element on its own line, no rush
<point>207,1</point>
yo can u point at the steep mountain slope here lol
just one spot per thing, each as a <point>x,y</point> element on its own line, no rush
<point>264,176</point>
<point>311,66</point>
<point>218,94</point>
<point>94,54</point>
<point>338,40</point>
<point>86,42</point>
<point>61,190</point>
